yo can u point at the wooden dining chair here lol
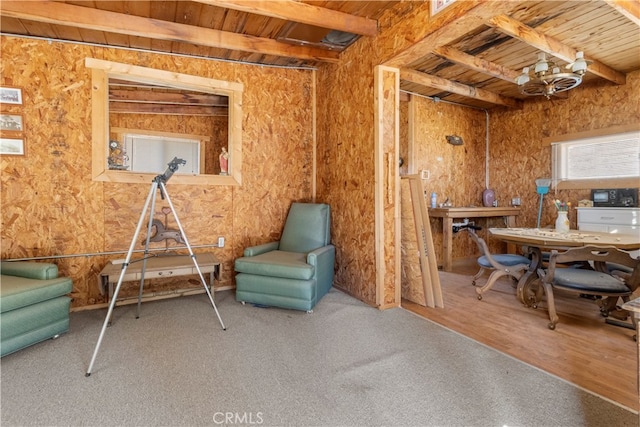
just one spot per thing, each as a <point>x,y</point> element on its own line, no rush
<point>607,285</point>
<point>500,265</point>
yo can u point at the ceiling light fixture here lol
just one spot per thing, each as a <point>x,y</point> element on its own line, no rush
<point>546,78</point>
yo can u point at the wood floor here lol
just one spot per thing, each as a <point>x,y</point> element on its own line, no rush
<point>583,349</point>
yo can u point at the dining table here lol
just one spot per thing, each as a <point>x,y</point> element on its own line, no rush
<point>536,240</point>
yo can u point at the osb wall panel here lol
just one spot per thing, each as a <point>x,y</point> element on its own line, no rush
<point>51,207</point>
<point>277,152</point>
<point>346,167</point>
<point>519,156</point>
<point>456,172</point>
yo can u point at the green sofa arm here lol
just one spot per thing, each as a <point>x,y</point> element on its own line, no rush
<point>260,249</point>
<point>29,270</point>
<point>323,260</point>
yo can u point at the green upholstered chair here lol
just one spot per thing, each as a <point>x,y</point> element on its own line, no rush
<point>34,304</point>
<point>607,284</point>
<point>294,272</point>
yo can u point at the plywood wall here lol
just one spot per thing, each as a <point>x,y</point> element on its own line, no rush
<point>516,159</point>
<point>346,167</point>
<point>51,207</point>
<point>456,172</point>
<point>519,154</point>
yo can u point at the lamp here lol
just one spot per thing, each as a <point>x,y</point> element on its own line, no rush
<point>546,78</point>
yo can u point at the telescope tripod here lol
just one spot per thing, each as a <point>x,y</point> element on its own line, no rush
<point>158,183</point>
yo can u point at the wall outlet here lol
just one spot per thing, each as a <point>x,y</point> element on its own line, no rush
<point>425,174</point>
<point>221,242</point>
<point>515,201</point>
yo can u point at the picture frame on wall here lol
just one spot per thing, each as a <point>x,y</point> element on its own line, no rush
<point>11,123</point>
<point>438,5</point>
<point>10,95</point>
<point>12,146</point>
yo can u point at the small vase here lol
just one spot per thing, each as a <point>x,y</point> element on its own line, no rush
<point>562,222</point>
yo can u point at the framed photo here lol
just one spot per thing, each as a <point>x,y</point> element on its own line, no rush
<point>10,95</point>
<point>11,146</point>
<point>438,5</point>
<point>11,122</point>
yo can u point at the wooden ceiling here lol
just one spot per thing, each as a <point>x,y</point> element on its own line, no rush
<point>470,53</point>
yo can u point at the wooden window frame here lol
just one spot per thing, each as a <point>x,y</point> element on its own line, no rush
<point>576,184</point>
<point>103,70</point>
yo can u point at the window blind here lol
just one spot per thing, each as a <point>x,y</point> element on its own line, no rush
<point>611,156</point>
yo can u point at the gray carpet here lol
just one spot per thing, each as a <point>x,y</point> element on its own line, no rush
<point>346,364</point>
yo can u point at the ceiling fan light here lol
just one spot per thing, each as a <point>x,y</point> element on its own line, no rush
<point>541,67</point>
<point>580,65</point>
<point>523,78</point>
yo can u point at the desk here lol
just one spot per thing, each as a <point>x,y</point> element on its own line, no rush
<point>449,214</point>
<point>535,240</point>
<point>160,266</point>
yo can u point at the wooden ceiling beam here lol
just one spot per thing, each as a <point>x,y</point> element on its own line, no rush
<point>630,9</point>
<point>304,13</point>
<point>148,96</point>
<point>120,23</point>
<point>477,64</point>
<point>551,46</point>
<point>457,88</point>
<point>166,109</point>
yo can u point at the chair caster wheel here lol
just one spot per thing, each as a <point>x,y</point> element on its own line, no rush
<point>473,283</point>
<point>552,326</point>
<point>309,311</point>
<point>479,297</point>
<point>242,302</point>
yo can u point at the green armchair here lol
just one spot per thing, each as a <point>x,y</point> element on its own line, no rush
<point>295,272</point>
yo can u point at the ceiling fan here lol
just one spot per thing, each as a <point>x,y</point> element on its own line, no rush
<point>546,79</point>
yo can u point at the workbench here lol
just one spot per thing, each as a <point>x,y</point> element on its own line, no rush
<point>449,214</point>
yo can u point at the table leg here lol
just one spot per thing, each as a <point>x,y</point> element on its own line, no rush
<point>211,276</point>
<point>447,244</point>
<point>109,295</point>
<point>511,223</point>
<point>524,291</point>
<point>637,317</point>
